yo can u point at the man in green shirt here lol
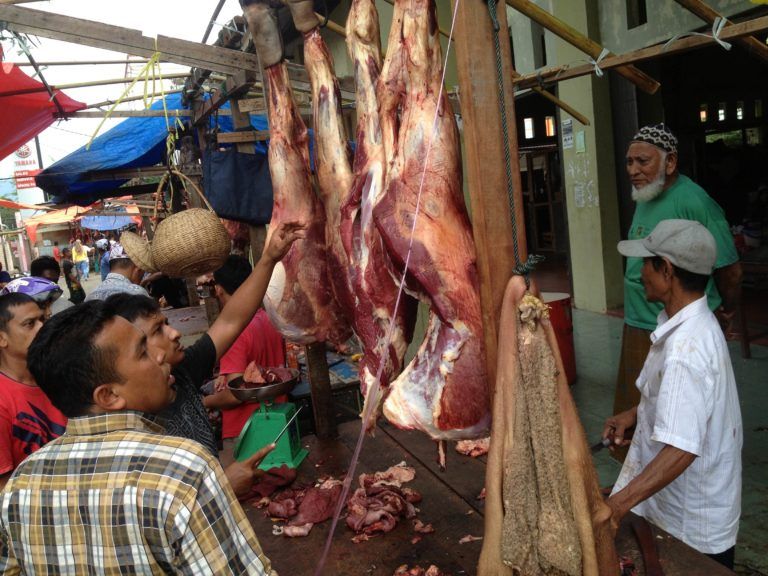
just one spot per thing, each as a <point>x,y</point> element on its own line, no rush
<point>662,193</point>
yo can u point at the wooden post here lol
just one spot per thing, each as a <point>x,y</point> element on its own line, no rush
<point>708,14</point>
<point>485,159</point>
<point>582,42</point>
<point>320,387</point>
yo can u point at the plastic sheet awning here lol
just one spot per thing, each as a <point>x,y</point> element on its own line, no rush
<point>134,143</point>
<point>112,221</point>
<point>23,113</point>
<point>64,216</point>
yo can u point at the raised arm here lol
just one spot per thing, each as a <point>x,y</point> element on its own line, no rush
<point>246,300</point>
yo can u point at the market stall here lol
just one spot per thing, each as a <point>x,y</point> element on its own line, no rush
<point>388,233</point>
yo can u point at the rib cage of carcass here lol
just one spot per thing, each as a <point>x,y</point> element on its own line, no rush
<point>350,266</point>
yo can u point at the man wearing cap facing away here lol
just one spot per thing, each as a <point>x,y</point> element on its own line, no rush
<point>661,192</point>
<point>683,468</point>
<point>124,276</point>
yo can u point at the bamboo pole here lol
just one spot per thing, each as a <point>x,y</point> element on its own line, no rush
<point>82,62</point>
<point>582,42</point>
<point>332,26</point>
<point>131,99</point>
<point>560,104</point>
<point>708,14</point>
<point>559,73</point>
<point>86,84</point>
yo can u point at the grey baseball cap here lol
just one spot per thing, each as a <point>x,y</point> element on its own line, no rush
<point>685,243</point>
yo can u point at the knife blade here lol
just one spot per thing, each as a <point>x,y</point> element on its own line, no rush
<point>604,443</point>
<point>287,425</point>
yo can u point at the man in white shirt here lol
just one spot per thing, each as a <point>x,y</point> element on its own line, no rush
<point>683,469</point>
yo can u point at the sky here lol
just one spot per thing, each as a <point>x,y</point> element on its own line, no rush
<point>186,19</point>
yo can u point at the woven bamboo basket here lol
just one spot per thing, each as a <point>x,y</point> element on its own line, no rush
<point>191,242</point>
<point>138,250</point>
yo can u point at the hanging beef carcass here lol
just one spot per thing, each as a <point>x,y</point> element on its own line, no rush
<point>373,271</point>
<point>299,300</point>
<point>544,513</point>
<point>443,391</point>
<point>361,272</point>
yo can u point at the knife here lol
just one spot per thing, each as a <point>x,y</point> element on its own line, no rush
<point>604,443</point>
<point>287,425</point>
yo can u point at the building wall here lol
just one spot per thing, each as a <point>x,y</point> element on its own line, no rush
<point>590,183</point>
<point>666,18</point>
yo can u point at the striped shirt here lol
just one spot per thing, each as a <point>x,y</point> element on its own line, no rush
<point>688,400</point>
<point>114,495</point>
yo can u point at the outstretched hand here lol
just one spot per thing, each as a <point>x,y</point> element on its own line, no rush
<point>242,475</point>
<point>283,238</point>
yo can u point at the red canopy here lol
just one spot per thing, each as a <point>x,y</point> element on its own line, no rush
<point>24,116</point>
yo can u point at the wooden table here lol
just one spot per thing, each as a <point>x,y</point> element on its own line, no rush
<point>191,322</point>
<point>450,504</point>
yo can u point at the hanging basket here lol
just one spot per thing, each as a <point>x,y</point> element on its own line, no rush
<point>138,250</point>
<point>191,242</point>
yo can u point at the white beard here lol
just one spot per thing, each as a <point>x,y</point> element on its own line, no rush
<point>652,190</point>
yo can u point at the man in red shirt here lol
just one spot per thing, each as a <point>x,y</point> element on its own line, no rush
<point>28,420</point>
<point>259,343</point>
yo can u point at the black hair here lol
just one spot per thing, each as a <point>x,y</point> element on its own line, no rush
<point>120,264</point>
<point>67,378</point>
<point>8,302</point>
<point>690,281</point>
<point>43,263</point>
<point>132,306</point>
<point>66,250</point>
<point>232,273</point>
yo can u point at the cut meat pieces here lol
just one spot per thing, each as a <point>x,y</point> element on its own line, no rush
<point>372,272</point>
<point>443,391</point>
<point>544,511</point>
<point>299,300</point>
<point>380,501</point>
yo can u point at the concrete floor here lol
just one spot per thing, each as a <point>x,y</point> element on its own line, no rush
<point>597,340</point>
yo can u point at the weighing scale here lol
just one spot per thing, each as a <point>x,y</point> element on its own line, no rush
<point>267,422</point>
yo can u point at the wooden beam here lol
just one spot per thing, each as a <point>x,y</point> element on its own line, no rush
<point>242,137</point>
<point>709,15</point>
<point>128,113</point>
<point>485,160</point>
<point>559,73</point>
<point>88,84</point>
<point>234,87</point>
<point>126,174</point>
<point>582,42</point>
<point>126,40</point>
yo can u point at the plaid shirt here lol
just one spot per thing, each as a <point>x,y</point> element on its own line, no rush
<point>114,495</point>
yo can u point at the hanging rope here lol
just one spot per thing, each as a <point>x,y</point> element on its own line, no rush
<point>521,268</point>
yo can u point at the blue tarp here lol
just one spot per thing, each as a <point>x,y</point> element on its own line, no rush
<point>134,143</point>
<point>103,223</point>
